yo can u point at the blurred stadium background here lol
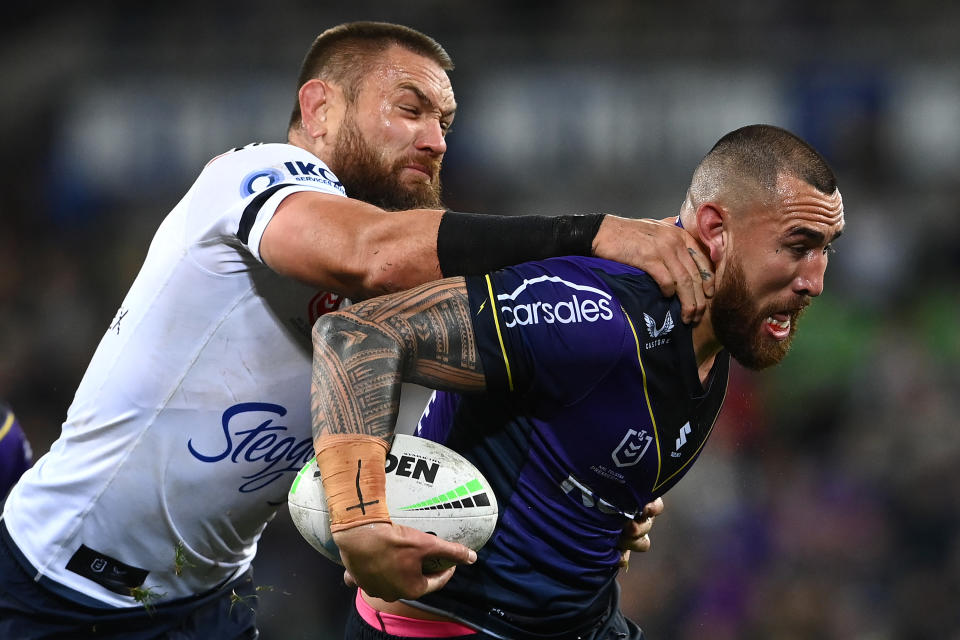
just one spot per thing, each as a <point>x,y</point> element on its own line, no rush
<point>826,505</point>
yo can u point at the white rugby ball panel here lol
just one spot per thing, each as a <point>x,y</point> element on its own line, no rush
<point>429,487</point>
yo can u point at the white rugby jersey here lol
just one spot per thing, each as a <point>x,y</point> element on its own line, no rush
<point>193,416</point>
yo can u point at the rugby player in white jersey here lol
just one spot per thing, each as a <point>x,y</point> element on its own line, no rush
<point>193,416</point>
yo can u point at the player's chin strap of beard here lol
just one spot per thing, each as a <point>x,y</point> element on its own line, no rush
<point>352,469</point>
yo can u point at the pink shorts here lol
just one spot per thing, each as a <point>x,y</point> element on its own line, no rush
<point>409,627</point>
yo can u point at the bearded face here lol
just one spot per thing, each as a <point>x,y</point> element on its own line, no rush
<point>757,337</point>
<point>366,175</point>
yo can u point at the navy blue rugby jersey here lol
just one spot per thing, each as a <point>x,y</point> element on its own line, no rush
<point>594,407</point>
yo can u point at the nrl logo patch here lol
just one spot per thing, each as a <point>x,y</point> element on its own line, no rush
<point>631,449</point>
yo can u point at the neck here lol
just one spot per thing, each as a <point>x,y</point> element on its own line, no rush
<point>298,138</point>
<point>705,345</point>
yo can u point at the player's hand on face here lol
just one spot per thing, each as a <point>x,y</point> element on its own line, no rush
<point>665,251</point>
<point>386,560</point>
<point>636,533</point>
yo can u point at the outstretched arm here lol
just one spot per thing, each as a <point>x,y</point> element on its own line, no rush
<point>358,250</point>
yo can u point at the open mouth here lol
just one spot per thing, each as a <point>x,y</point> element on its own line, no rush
<point>778,325</point>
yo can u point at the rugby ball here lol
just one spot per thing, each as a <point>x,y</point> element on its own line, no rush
<point>429,487</point>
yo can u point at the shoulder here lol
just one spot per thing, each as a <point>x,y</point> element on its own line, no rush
<point>256,167</point>
<point>624,291</point>
<point>577,269</point>
<point>573,273</point>
<point>554,325</point>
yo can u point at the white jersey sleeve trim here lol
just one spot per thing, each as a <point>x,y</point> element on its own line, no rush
<point>263,213</point>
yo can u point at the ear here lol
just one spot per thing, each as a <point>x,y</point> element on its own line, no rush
<point>712,223</point>
<point>314,101</point>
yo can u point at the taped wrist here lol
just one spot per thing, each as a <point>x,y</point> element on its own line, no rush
<point>352,469</point>
<point>474,244</point>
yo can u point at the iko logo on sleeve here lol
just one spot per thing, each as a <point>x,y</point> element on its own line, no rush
<point>582,304</point>
<point>310,172</point>
<point>261,179</point>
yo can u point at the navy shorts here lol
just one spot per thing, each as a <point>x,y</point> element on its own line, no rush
<point>30,611</point>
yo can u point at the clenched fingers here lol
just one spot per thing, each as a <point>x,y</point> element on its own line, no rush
<point>636,533</point>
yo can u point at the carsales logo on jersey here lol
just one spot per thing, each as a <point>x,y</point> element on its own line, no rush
<point>582,304</point>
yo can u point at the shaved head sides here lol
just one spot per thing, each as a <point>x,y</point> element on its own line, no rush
<point>346,53</point>
<point>745,165</point>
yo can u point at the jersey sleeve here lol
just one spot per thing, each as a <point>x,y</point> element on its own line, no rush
<point>238,192</point>
<point>550,327</point>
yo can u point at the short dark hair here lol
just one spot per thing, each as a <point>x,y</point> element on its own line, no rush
<point>346,52</point>
<point>763,152</point>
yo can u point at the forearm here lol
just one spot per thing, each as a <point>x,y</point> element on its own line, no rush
<point>356,377</point>
<point>414,247</point>
<point>360,358</point>
<point>358,250</point>
<point>473,244</point>
<point>354,399</point>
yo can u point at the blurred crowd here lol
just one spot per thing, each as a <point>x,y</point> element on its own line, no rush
<point>826,504</point>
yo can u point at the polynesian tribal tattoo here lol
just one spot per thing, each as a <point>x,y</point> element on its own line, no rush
<point>362,354</point>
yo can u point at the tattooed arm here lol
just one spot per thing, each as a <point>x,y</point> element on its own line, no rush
<point>361,356</point>
<point>363,353</point>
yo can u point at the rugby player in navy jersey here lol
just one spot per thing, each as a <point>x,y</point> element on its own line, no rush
<point>576,391</point>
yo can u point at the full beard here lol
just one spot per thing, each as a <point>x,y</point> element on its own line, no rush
<point>366,177</point>
<point>739,323</point>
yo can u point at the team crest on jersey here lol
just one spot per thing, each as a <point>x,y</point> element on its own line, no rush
<point>323,303</point>
<point>582,304</point>
<point>632,448</point>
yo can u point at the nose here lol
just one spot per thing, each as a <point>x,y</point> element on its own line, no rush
<point>809,278</point>
<point>431,139</point>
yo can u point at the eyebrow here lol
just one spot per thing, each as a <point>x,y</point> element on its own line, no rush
<point>427,101</point>
<point>812,234</point>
